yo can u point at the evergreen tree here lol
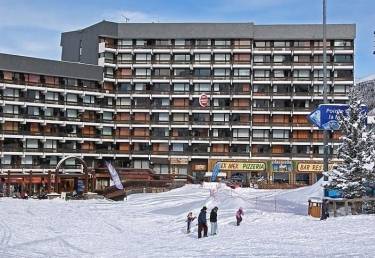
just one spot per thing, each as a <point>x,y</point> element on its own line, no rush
<point>351,177</point>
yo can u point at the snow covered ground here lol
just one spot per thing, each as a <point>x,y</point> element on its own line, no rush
<point>153,225</point>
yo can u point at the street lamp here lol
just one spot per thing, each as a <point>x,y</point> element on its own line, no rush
<point>325,99</point>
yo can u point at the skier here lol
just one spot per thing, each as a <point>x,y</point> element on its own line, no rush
<point>239,215</point>
<point>202,223</point>
<point>213,220</point>
<point>189,219</point>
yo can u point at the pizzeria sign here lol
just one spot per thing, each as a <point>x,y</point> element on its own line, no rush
<point>243,166</point>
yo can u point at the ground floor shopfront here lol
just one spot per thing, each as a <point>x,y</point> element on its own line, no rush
<point>252,171</point>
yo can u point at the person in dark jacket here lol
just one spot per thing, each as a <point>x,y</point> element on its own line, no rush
<point>213,220</point>
<point>202,223</point>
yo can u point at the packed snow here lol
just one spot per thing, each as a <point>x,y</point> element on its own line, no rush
<point>153,225</point>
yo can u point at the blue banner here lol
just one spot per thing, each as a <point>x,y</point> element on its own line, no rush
<point>215,171</point>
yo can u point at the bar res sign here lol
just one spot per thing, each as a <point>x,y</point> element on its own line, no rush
<point>243,166</point>
<point>203,100</point>
<point>312,167</point>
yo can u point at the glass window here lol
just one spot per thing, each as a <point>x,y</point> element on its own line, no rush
<point>106,130</point>
<point>182,72</point>
<point>221,72</point>
<point>124,58</point>
<point>222,43</point>
<point>203,42</point>
<point>163,117</point>
<point>89,99</point>
<point>280,134</point>
<point>72,113</point>
<point>181,87</point>
<point>143,57</point>
<point>203,72</point>
<point>262,73</point>
<point>163,57</point>
<point>241,72</point>
<point>202,87</point>
<point>125,42</point>
<point>182,58</point>
<point>281,43</point>
<point>202,57</point>
<point>142,72</point>
<point>222,57</point>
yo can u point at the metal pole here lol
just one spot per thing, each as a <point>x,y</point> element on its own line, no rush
<point>325,99</point>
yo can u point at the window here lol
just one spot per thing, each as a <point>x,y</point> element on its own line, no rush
<point>50,144</point>
<point>261,73</point>
<point>203,42</point>
<point>184,87</point>
<point>205,58</point>
<point>281,43</point>
<point>301,59</point>
<point>301,74</point>
<point>221,117</point>
<point>178,147</point>
<point>319,74</point>
<point>281,59</point>
<point>87,99</point>
<point>124,87</point>
<point>9,109</point>
<point>279,74</point>
<point>143,57</point>
<point>162,58</point>
<point>241,133</point>
<point>142,72</point>
<point>71,97</point>
<point>182,72</point>
<point>182,58</point>
<point>222,57</point>
<point>222,43</point>
<point>242,43</point>
<point>180,42</point>
<point>124,58</point>
<point>107,116</point>
<point>180,117</point>
<point>162,72</point>
<point>11,92</point>
<point>262,59</point>
<point>122,43</point>
<point>303,44</point>
<point>343,43</point>
<point>343,74</point>
<point>163,42</point>
<point>123,102</point>
<point>71,113</point>
<point>242,58</point>
<point>141,164</point>
<point>108,72</point>
<point>32,144</point>
<point>140,42</point>
<point>140,87</point>
<point>107,131</point>
<point>202,72</point>
<point>341,88</point>
<point>343,58</point>
<point>261,134</point>
<point>202,87</point>
<point>163,117</point>
<point>33,111</point>
<point>262,44</point>
<point>280,134</point>
<point>241,72</point>
<point>222,72</point>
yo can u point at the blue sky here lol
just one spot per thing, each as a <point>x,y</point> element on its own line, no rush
<point>33,27</point>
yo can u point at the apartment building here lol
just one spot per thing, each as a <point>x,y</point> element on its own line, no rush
<point>177,98</point>
<point>45,115</point>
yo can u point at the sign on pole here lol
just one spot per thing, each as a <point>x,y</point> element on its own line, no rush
<point>203,100</point>
<point>326,116</point>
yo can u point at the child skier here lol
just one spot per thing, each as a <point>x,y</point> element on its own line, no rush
<point>189,219</point>
<point>239,215</point>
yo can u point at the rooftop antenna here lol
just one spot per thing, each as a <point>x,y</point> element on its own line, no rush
<point>127,19</point>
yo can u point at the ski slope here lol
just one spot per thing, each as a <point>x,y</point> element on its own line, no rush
<point>153,225</point>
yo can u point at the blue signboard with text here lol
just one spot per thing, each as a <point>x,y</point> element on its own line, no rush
<point>326,116</point>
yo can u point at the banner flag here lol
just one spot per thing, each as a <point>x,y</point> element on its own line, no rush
<point>114,176</point>
<point>215,171</point>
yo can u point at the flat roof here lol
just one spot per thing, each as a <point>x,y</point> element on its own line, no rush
<point>32,65</point>
<point>220,30</point>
